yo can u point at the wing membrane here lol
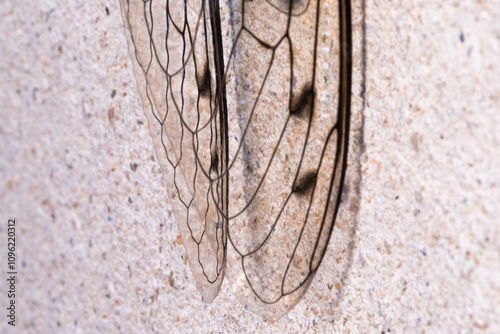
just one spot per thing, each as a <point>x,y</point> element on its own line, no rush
<point>250,120</point>
<point>290,93</point>
<point>174,63</point>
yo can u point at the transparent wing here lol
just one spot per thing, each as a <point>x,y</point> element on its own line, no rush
<point>258,180</point>
<point>175,64</point>
<point>288,103</point>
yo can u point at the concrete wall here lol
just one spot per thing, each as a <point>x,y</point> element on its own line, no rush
<point>96,240</point>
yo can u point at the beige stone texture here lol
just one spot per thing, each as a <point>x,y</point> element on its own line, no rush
<point>418,233</point>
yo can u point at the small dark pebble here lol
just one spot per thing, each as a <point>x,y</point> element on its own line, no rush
<point>113,93</point>
<point>107,11</point>
<point>462,37</point>
<point>133,166</point>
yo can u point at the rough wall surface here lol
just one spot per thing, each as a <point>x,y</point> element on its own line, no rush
<point>97,242</point>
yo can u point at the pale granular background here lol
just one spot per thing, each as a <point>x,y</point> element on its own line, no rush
<point>416,247</point>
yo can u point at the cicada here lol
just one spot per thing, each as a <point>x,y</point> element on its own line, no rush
<point>248,106</point>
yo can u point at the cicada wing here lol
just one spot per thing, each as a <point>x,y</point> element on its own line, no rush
<point>288,143</point>
<point>172,51</point>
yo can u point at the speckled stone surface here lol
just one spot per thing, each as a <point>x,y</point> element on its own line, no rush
<point>417,244</point>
